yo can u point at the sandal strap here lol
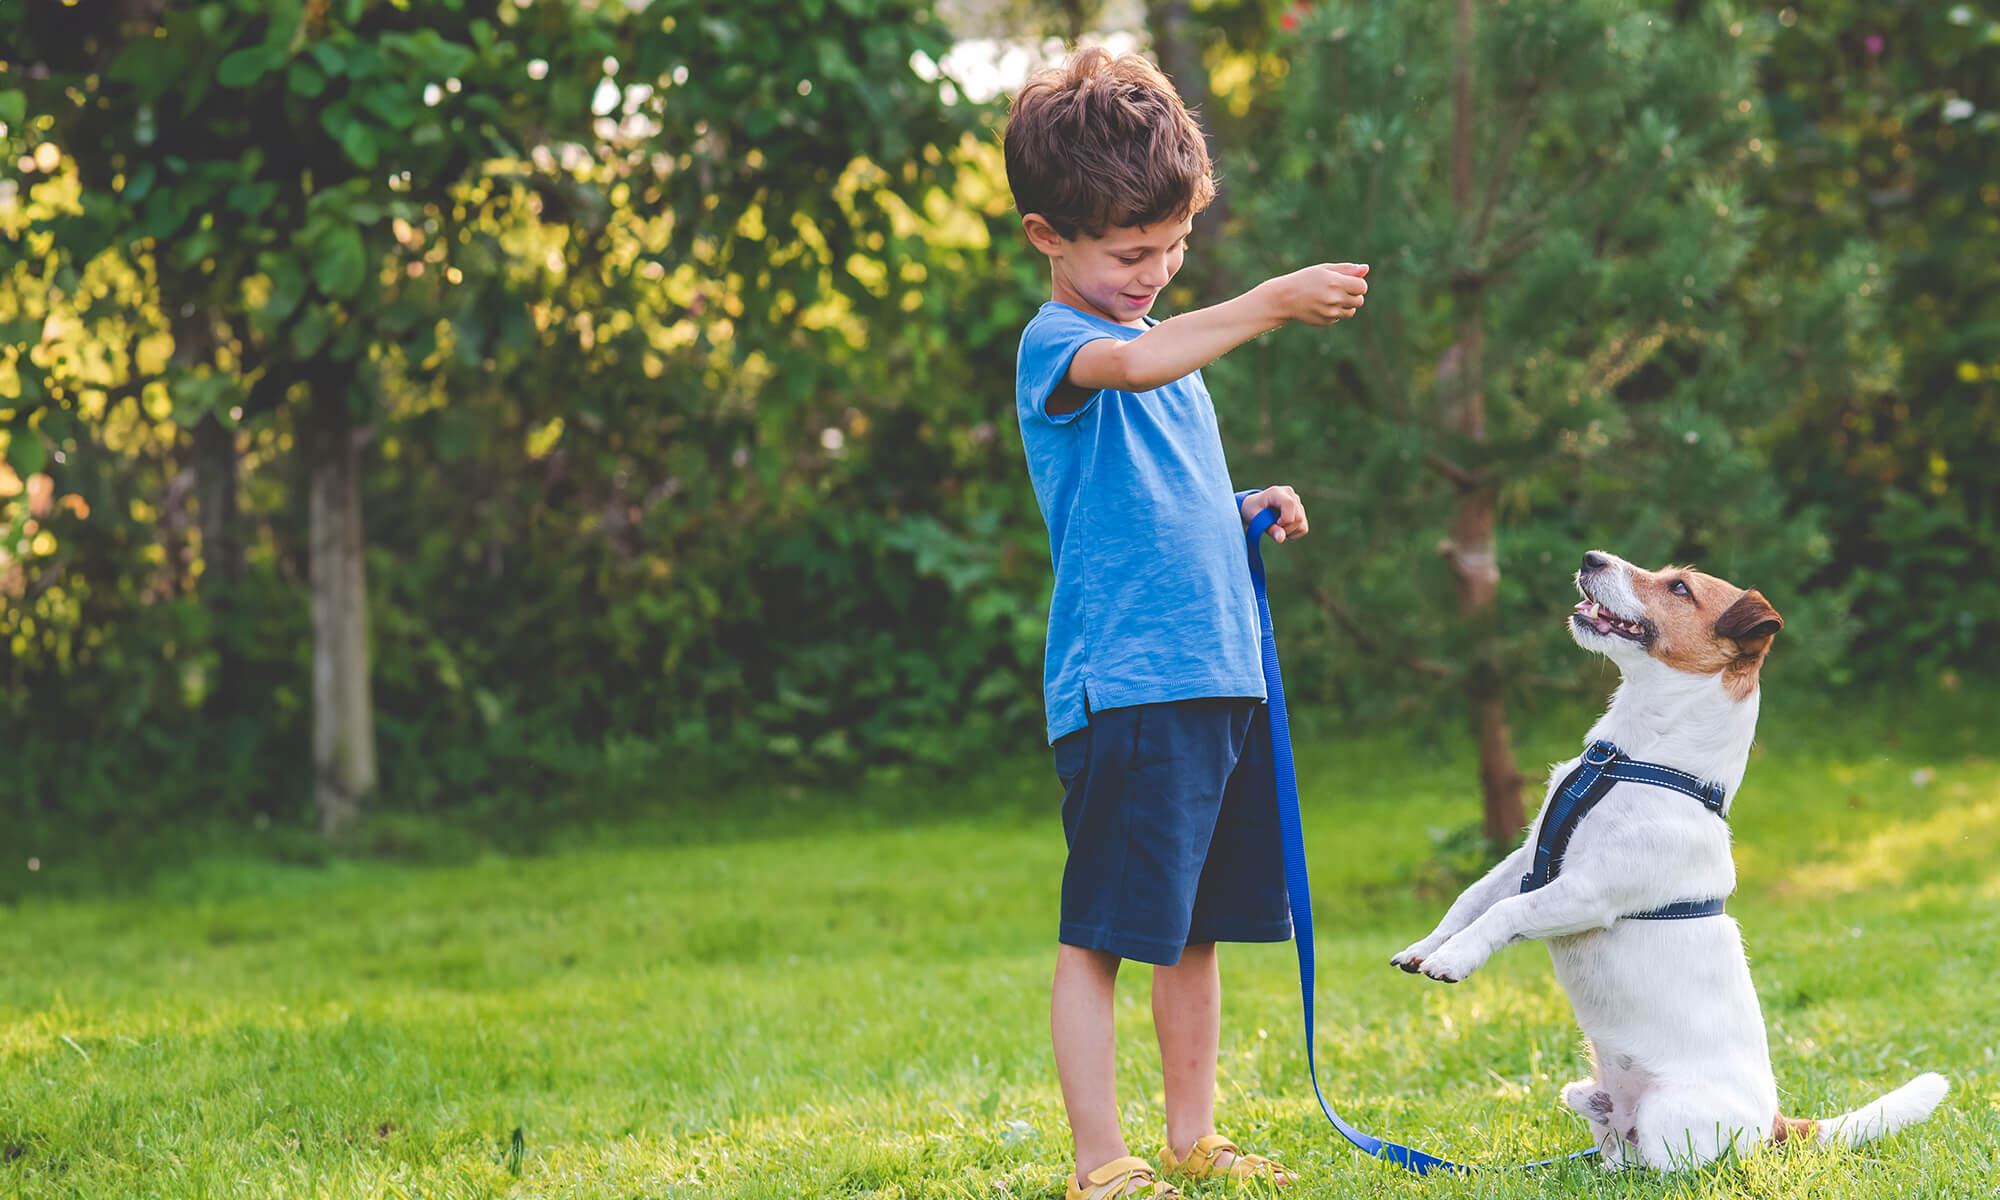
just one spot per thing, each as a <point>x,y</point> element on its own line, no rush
<point>1248,1166</point>
<point>1200,1161</point>
<point>1115,1177</point>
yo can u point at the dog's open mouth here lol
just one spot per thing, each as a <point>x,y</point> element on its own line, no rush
<point>1592,615</point>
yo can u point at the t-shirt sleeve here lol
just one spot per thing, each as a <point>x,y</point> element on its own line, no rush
<point>1047,346</point>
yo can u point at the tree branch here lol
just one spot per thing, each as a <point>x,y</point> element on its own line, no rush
<point>1510,143</point>
<point>1353,629</point>
<point>1465,480</point>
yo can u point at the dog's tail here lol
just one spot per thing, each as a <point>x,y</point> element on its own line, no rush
<point>1905,1106</point>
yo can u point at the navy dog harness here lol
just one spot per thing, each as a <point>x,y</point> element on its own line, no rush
<point>1604,765</point>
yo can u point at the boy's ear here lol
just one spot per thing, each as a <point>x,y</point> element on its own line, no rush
<point>1042,235</point>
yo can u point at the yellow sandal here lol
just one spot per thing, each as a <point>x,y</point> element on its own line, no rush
<point>1115,1179</point>
<point>1200,1164</point>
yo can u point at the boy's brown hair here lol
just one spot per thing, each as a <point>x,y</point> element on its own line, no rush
<point>1103,141</point>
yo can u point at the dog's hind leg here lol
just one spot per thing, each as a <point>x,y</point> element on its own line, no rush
<point>1681,1127</point>
<point>1610,1125</point>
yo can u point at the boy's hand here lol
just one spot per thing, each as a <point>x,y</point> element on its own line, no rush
<point>1322,294</point>
<point>1291,511</point>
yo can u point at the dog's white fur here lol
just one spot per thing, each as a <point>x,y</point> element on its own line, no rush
<point>1682,1067</point>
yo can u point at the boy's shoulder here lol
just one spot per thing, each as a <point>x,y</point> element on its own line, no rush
<point>1050,340</point>
<point>1056,321</point>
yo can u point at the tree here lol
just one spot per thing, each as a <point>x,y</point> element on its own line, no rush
<point>376,224</point>
<point>1886,124</point>
<point>1561,348</point>
<point>263,157</point>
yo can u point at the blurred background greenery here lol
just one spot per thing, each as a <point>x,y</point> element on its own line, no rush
<point>495,414</point>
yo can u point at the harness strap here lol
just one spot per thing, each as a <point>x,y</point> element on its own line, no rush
<point>1681,910</point>
<point>1297,886</point>
<point>1604,764</point>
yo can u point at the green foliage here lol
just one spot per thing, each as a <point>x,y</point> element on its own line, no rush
<point>682,340</point>
<point>1887,126</point>
<point>1627,354</point>
<point>656,354</point>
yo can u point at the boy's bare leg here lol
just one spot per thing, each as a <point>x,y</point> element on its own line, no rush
<point>1080,1019</point>
<point>1187,1016</point>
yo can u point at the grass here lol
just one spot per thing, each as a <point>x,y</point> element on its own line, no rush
<point>852,1000</point>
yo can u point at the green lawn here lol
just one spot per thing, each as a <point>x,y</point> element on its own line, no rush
<point>851,1000</point>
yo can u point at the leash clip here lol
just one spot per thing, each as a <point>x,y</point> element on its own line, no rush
<point>1600,754</point>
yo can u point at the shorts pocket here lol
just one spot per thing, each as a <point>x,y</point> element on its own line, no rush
<point>1152,735</point>
<point>1072,754</point>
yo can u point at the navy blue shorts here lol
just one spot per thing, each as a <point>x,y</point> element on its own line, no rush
<point>1172,821</point>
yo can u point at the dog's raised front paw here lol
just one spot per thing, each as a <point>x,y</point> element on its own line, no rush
<point>1452,962</point>
<point>1412,957</point>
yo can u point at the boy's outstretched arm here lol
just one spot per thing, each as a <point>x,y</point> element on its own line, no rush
<point>1317,295</point>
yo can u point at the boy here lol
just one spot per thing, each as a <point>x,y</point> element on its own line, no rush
<point>1153,679</point>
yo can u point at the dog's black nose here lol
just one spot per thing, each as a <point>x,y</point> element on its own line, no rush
<point>1593,561</point>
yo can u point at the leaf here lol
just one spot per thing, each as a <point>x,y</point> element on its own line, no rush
<point>192,249</point>
<point>288,286</point>
<point>329,57</point>
<point>365,63</point>
<point>311,331</point>
<point>140,182</point>
<point>391,102</point>
<point>342,263</point>
<point>305,79</point>
<point>246,66</point>
<point>150,65</point>
<point>25,452</point>
<point>252,198</point>
<point>359,143</point>
<point>13,107</point>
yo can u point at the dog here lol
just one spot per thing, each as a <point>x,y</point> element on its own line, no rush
<point>1682,1069</point>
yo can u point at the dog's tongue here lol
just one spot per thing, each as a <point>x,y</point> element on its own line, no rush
<point>1590,609</point>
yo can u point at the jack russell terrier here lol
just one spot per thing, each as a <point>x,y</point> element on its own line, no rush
<point>1625,881</point>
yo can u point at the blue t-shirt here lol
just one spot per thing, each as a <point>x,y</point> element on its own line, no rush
<point>1152,599</point>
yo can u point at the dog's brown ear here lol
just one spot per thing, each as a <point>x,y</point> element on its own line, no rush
<point>1751,621</point>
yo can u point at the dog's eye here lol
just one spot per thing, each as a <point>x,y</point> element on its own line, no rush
<point>1679,587</point>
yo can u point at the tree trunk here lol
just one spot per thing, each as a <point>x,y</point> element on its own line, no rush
<point>343,714</point>
<point>1471,549</point>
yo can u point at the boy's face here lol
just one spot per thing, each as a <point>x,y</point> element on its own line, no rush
<point>1117,276</point>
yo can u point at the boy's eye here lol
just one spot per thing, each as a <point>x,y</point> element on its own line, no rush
<point>1131,261</point>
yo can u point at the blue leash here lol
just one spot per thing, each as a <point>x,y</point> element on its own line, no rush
<point>1296,885</point>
